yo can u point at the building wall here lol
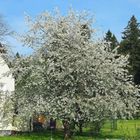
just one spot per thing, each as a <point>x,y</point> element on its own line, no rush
<point>6,77</point>
<point>7,87</point>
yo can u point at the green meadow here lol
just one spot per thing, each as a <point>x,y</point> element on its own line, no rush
<point>126,130</point>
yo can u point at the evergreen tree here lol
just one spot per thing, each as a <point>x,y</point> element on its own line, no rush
<point>111,38</point>
<point>17,55</point>
<point>131,45</point>
<point>130,36</point>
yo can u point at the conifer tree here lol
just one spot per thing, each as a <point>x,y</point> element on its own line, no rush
<point>131,45</point>
<point>111,38</point>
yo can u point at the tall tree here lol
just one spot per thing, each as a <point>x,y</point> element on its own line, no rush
<point>130,44</point>
<point>131,35</point>
<point>111,38</point>
<point>68,69</point>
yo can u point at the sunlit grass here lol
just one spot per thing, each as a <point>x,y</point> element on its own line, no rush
<point>125,129</point>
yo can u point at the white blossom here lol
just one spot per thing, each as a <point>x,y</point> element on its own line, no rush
<point>69,66</point>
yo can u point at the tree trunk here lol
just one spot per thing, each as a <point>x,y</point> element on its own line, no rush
<point>114,124</point>
<point>80,127</point>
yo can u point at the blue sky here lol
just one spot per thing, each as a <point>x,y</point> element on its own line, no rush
<point>109,14</point>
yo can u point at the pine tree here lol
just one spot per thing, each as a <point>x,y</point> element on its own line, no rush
<point>131,45</point>
<point>111,38</point>
<point>130,36</point>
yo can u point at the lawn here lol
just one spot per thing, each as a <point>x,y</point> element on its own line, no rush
<point>126,130</point>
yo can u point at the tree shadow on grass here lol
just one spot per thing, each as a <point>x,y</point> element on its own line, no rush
<point>59,135</point>
<point>46,135</point>
<point>97,136</point>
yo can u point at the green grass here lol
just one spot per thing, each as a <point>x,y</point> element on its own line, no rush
<point>126,130</point>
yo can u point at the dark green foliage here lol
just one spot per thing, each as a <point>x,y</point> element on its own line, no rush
<point>109,37</point>
<point>2,49</point>
<point>131,45</point>
<point>131,35</point>
<point>17,55</point>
